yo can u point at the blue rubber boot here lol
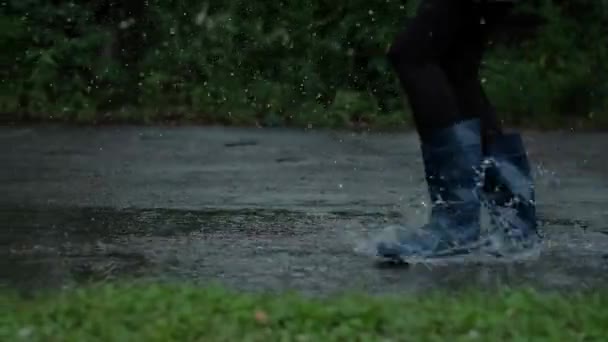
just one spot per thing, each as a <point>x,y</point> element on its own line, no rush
<point>509,195</point>
<point>452,159</point>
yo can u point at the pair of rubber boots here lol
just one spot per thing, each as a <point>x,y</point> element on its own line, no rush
<point>462,176</point>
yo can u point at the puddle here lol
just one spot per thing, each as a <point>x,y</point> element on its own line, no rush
<point>262,250</point>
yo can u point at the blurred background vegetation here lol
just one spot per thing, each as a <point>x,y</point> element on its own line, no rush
<point>316,63</point>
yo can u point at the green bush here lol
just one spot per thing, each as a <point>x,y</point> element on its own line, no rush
<point>318,63</point>
<point>559,76</point>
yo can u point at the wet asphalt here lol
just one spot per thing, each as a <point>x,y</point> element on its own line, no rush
<point>267,209</point>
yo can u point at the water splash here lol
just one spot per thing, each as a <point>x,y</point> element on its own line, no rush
<point>546,177</point>
<point>492,247</point>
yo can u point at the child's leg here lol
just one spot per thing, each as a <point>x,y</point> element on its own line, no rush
<point>440,26</point>
<point>462,66</point>
<point>451,145</point>
<point>508,188</point>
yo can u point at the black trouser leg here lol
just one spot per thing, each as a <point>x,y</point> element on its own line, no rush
<point>415,55</point>
<point>437,59</point>
<point>462,66</point>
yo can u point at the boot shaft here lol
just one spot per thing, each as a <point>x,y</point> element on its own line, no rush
<point>509,187</point>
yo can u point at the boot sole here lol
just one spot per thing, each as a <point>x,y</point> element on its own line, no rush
<point>481,252</point>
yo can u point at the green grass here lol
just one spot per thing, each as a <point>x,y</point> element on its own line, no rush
<point>188,313</point>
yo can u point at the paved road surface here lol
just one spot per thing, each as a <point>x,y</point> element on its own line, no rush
<point>263,209</point>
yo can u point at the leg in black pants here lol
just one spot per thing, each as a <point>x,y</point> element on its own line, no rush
<point>437,60</point>
<point>462,64</point>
